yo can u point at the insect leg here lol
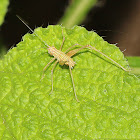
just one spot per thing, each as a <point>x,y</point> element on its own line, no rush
<point>108,57</point>
<point>48,64</point>
<point>52,74</point>
<point>71,47</point>
<point>62,41</point>
<point>46,67</point>
<point>73,83</point>
<point>73,52</point>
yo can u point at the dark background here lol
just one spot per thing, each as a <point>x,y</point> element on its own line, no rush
<point>118,21</point>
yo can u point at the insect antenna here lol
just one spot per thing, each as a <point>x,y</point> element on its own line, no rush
<point>32,30</point>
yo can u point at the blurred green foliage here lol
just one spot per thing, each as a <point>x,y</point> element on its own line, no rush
<point>76,12</point>
<point>3,9</point>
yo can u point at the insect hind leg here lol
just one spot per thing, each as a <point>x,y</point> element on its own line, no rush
<point>108,58</point>
<point>73,52</point>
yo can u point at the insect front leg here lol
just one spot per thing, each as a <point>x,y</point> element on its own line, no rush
<point>47,67</point>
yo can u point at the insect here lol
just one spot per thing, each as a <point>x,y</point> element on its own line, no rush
<point>65,58</point>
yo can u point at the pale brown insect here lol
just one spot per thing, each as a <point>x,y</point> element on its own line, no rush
<point>64,58</point>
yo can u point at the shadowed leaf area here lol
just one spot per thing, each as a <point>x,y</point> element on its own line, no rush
<point>109,96</point>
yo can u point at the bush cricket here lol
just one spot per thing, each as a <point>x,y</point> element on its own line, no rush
<point>64,58</point>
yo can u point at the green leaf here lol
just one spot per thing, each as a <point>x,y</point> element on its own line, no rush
<point>134,61</point>
<point>135,64</point>
<point>109,96</point>
<point>3,9</point>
